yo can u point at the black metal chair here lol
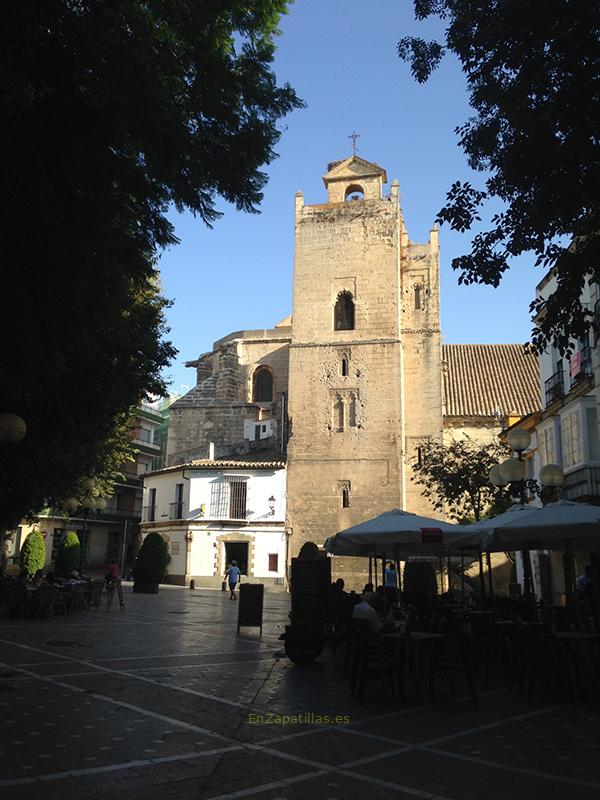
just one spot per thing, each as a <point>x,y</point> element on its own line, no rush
<point>371,656</point>
<point>453,655</point>
<point>539,655</point>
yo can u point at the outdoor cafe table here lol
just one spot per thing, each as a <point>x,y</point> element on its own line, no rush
<point>515,624</point>
<point>413,644</point>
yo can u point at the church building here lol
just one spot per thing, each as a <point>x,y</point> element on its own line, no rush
<point>347,388</point>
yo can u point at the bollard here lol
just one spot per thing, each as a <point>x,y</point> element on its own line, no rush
<point>192,584</point>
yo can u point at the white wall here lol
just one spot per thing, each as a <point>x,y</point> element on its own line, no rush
<point>268,537</point>
<point>197,487</point>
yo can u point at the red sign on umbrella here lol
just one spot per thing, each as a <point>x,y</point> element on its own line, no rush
<point>432,535</point>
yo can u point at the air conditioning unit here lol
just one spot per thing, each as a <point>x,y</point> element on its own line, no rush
<point>278,581</point>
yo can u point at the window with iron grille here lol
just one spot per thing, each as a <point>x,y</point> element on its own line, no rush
<point>237,498</point>
<point>228,498</point>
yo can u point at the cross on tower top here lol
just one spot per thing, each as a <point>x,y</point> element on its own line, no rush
<point>354,136</point>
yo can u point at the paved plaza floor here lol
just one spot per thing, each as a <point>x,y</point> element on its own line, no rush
<point>166,701</point>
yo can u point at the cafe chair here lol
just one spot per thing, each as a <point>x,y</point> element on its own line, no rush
<point>451,656</point>
<point>95,595</point>
<point>373,657</point>
<point>540,656</point>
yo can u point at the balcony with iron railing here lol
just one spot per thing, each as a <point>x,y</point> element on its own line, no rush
<point>581,365</point>
<point>583,483</point>
<point>554,387</point>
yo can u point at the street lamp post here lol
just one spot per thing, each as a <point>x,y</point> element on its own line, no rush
<point>512,472</point>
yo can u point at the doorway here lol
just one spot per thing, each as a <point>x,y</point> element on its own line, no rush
<point>237,551</point>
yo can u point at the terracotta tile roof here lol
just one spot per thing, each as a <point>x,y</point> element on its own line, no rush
<point>221,463</point>
<point>480,380</point>
<point>229,463</point>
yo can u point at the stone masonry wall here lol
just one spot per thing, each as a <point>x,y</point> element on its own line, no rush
<point>216,408</point>
<point>346,429</point>
<point>421,375</point>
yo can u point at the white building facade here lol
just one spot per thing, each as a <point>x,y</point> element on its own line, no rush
<point>211,512</point>
<point>568,433</point>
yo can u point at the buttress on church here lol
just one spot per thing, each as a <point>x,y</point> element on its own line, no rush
<point>337,397</point>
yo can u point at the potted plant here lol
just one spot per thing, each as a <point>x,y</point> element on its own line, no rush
<point>151,564</point>
<point>420,584</point>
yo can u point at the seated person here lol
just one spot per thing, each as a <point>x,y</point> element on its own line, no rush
<point>584,582</point>
<point>71,580</point>
<point>368,591</point>
<point>365,610</point>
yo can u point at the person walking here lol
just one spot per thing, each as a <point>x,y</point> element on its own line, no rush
<point>232,573</point>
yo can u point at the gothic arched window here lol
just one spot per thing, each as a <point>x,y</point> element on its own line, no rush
<point>343,314</point>
<point>418,297</point>
<point>262,385</point>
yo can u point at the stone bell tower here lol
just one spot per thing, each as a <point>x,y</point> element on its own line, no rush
<point>365,357</point>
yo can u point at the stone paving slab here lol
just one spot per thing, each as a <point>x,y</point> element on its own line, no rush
<point>165,701</point>
<point>454,778</point>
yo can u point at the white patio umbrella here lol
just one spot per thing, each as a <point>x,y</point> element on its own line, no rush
<point>397,534</point>
<point>553,527</point>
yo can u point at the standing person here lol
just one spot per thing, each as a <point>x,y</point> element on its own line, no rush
<point>232,573</point>
<point>391,582</point>
<point>113,571</point>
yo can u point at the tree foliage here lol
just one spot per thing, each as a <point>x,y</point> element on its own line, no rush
<point>69,554</point>
<point>532,74</point>
<point>455,477</point>
<point>33,553</point>
<point>112,112</point>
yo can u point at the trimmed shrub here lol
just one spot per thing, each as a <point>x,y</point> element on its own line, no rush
<point>33,553</point>
<point>309,550</point>
<point>420,583</point>
<point>153,558</point>
<point>69,554</point>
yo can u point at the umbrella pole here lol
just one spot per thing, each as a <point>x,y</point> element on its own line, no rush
<point>488,558</point>
<point>449,566</point>
<point>398,573</point>
<point>376,572</point>
<point>462,574</point>
<point>595,564</point>
<point>481,578</point>
<point>527,575</point>
<point>568,570</point>
<point>370,569</point>
<point>383,571</point>
<point>441,560</point>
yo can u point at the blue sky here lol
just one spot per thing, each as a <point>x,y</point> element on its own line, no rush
<point>340,56</point>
